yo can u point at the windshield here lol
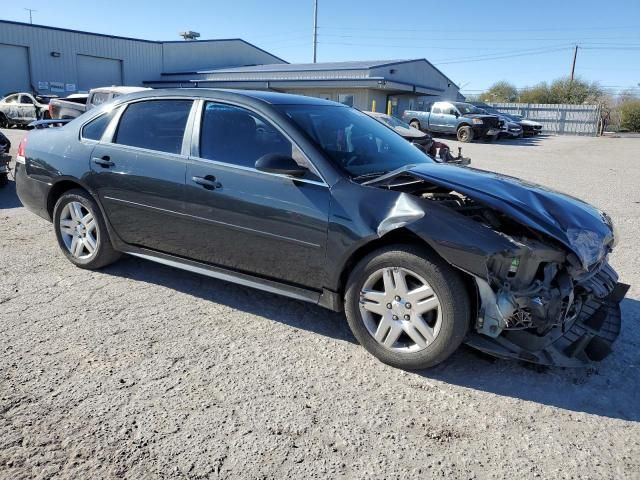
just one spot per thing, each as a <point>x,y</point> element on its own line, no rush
<point>393,122</point>
<point>355,142</point>
<point>465,108</point>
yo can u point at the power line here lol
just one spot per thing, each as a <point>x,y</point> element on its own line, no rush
<point>482,30</point>
<point>519,38</point>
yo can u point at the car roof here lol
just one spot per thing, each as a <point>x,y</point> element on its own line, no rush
<point>119,89</point>
<point>273,98</point>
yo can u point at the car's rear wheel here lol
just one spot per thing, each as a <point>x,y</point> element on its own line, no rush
<point>407,307</point>
<point>415,124</point>
<point>4,123</point>
<point>81,231</point>
<point>465,134</point>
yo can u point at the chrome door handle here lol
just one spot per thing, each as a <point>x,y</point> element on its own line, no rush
<point>103,161</point>
<point>209,182</point>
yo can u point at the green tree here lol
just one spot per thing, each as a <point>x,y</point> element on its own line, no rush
<point>501,92</point>
<point>539,93</point>
<point>576,92</point>
<point>630,115</point>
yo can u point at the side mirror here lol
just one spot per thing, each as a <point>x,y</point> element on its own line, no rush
<point>278,163</point>
<point>456,114</point>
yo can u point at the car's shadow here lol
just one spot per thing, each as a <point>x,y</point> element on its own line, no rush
<point>8,196</point>
<point>609,389</point>
<point>528,141</point>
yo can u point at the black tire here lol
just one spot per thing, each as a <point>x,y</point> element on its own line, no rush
<point>415,124</point>
<point>445,282</point>
<point>104,253</point>
<point>4,123</point>
<point>465,134</point>
<point>4,180</point>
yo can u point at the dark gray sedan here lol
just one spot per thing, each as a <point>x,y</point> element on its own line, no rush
<point>317,201</point>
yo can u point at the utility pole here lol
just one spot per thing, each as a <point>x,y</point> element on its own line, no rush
<point>30,10</point>
<point>315,32</point>
<point>573,65</point>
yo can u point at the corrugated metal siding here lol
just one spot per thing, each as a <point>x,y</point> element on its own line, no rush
<point>561,119</point>
<point>14,68</point>
<point>141,60</point>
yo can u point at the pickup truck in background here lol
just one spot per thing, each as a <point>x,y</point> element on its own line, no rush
<point>75,105</point>
<point>458,118</point>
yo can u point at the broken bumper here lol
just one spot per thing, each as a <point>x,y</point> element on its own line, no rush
<point>589,338</point>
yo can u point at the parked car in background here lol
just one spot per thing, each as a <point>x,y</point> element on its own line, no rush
<point>509,128</point>
<point>317,201</point>
<point>436,150</point>
<point>461,119</point>
<point>75,105</point>
<point>22,108</point>
<point>529,127</point>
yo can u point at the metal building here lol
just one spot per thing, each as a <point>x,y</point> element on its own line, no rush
<point>383,85</point>
<point>62,61</point>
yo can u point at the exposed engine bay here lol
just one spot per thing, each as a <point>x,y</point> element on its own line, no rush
<point>538,301</point>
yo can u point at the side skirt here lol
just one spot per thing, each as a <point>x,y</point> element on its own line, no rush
<point>325,298</point>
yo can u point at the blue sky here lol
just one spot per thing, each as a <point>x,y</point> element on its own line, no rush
<point>475,44</point>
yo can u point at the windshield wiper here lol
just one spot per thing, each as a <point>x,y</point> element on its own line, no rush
<point>369,175</point>
<point>379,176</point>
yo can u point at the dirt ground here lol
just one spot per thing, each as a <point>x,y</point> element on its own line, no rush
<point>141,371</point>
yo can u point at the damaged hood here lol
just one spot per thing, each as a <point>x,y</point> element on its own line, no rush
<point>579,226</point>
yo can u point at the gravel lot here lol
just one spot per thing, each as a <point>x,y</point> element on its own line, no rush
<point>141,371</point>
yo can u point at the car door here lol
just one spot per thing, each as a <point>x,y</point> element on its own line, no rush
<point>138,170</point>
<point>28,111</point>
<point>449,118</point>
<point>436,119</point>
<point>265,224</point>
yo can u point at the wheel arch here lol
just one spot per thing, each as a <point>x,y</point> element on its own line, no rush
<point>399,236</point>
<point>404,236</point>
<point>63,185</point>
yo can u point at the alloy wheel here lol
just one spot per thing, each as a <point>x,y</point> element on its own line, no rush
<point>400,310</point>
<point>79,230</point>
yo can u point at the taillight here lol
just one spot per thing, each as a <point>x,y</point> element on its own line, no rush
<point>50,111</point>
<point>21,158</point>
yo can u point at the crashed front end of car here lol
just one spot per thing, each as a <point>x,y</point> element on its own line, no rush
<point>539,260</point>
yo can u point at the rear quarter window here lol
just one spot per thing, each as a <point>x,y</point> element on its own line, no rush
<point>96,127</point>
<point>154,125</point>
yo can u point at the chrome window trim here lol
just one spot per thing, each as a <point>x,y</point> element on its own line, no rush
<point>110,132</point>
<point>195,144</point>
<point>106,130</point>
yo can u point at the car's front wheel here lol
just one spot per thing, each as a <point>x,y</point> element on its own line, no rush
<point>465,134</point>
<point>81,231</point>
<point>407,307</point>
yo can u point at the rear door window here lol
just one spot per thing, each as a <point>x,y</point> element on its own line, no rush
<point>154,125</point>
